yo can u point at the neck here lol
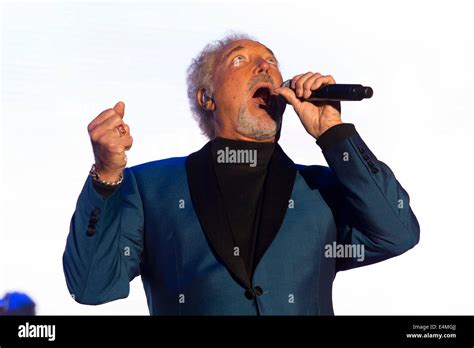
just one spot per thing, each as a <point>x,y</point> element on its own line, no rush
<point>238,136</point>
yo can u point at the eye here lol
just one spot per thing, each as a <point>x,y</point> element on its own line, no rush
<point>272,60</point>
<point>237,60</point>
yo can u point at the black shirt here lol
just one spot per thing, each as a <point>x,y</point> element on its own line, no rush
<point>241,168</point>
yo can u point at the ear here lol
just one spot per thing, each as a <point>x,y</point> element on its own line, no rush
<point>204,100</point>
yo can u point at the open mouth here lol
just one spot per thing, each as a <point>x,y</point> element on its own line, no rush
<point>263,95</point>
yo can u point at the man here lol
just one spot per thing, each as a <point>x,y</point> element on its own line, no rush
<point>236,227</point>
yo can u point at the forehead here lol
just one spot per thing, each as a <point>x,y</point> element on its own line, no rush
<point>243,45</point>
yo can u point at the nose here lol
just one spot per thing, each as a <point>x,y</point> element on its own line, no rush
<point>262,66</point>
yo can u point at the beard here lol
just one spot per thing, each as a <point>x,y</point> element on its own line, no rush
<point>257,127</point>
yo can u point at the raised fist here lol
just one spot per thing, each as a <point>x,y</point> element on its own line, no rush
<point>110,138</point>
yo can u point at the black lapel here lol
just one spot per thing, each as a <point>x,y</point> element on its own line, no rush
<point>278,186</point>
<point>209,207</point>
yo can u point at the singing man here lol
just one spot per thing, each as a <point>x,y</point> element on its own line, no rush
<point>236,228</point>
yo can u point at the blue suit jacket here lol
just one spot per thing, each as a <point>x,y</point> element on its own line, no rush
<point>166,223</point>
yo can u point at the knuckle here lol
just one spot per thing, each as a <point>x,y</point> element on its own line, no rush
<point>102,139</point>
<point>109,145</point>
<point>294,80</point>
<point>94,135</point>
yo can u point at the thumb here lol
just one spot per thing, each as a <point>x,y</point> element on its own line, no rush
<point>289,95</point>
<point>120,108</point>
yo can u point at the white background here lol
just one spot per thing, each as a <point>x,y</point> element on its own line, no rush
<point>65,62</point>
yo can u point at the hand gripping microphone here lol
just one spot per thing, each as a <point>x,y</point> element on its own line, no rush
<point>337,92</point>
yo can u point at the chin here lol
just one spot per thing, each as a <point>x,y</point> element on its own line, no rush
<point>257,125</point>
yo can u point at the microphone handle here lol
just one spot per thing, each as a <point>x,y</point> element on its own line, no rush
<point>337,92</point>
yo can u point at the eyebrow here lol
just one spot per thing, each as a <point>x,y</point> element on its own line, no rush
<point>235,49</point>
<point>239,48</point>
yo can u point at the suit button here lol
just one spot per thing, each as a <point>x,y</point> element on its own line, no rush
<point>365,156</point>
<point>370,163</point>
<point>374,170</point>
<point>93,220</point>
<point>249,294</point>
<point>258,291</point>
<point>91,231</point>
<point>95,212</point>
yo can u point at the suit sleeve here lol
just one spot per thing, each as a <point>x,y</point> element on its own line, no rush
<point>105,243</point>
<point>373,209</point>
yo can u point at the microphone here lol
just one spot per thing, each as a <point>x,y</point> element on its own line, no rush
<point>337,92</point>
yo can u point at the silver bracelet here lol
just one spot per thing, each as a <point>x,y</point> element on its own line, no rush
<point>96,177</point>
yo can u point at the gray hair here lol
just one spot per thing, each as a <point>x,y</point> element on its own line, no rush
<point>200,75</point>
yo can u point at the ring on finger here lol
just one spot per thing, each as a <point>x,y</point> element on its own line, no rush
<point>121,129</point>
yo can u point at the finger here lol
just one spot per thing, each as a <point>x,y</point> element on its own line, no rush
<point>126,141</point>
<point>129,142</point>
<point>289,95</point>
<point>109,126</point>
<point>100,118</point>
<point>293,81</point>
<point>323,80</point>
<point>120,108</point>
<point>300,82</point>
<point>114,145</point>
<point>127,128</point>
<point>112,123</point>
<point>308,84</point>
